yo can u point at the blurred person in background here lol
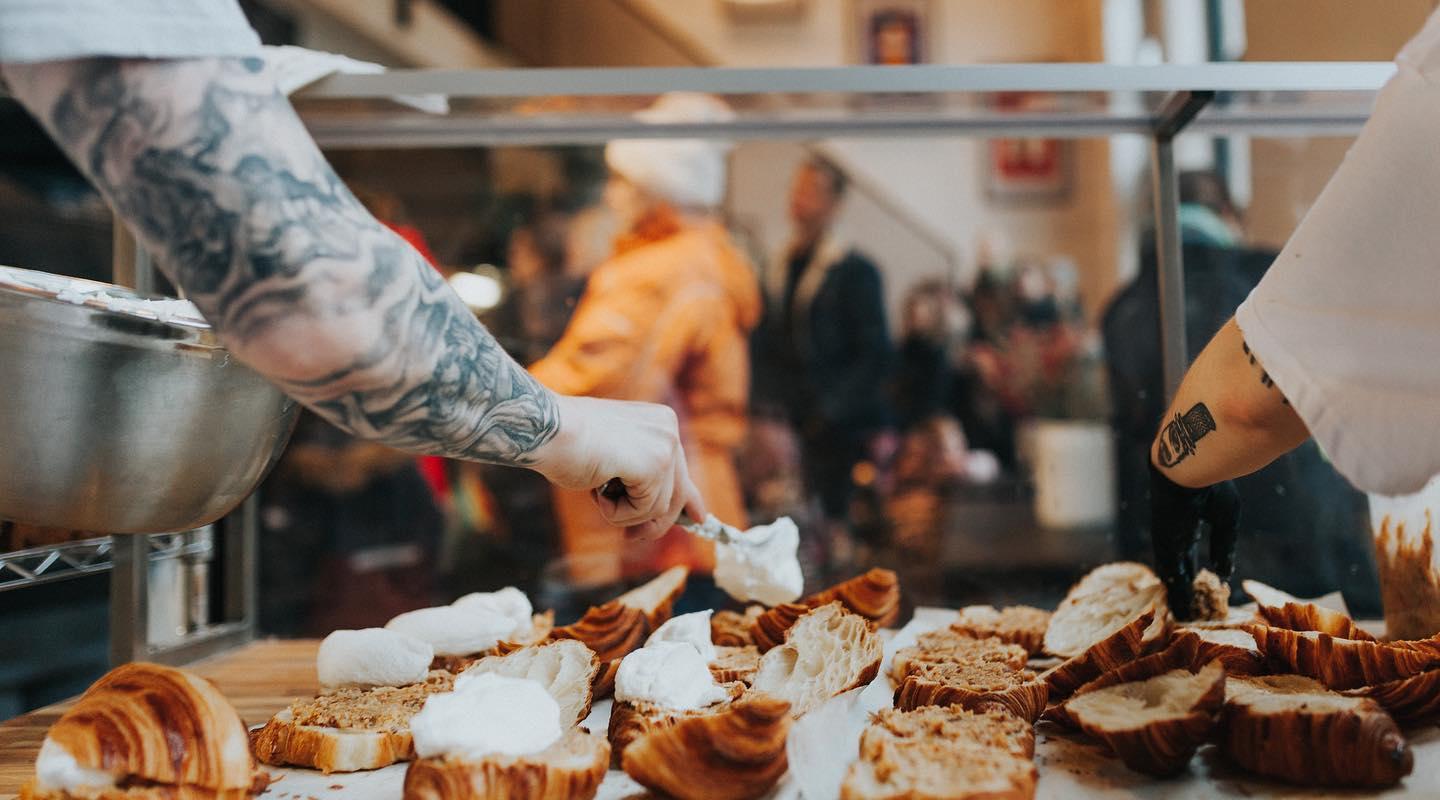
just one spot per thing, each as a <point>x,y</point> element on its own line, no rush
<point>823,350</point>
<point>664,319</point>
<point>1295,508</point>
<point>540,295</point>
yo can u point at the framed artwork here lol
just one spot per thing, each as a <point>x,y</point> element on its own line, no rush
<point>1029,170</point>
<point>892,32</point>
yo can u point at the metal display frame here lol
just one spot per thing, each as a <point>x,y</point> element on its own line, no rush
<point>1159,102</point>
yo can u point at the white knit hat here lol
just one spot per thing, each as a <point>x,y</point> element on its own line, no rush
<point>686,172</point>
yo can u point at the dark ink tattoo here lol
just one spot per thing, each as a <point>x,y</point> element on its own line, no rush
<point>211,167</point>
<point>1180,435</point>
<point>1265,379</point>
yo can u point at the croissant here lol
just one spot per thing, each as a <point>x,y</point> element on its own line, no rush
<point>1023,626</point>
<point>768,629</point>
<point>1103,602</point>
<point>156,725</point>
<point>975,686</point>
<point>874,596</point>
<point>948,645</point>
<point>656,599</point>
<point>732,628</point>
<point>736,753</point>
<point>1154,725</point>
<point>1294,729</point>
<point>629,720</point>
<point>572,767</point>
<point>1411,701</point>
<point>1338,663</point>
<point>566,668</point>
<point>1310,617</point>
<point>827,652</point>
<point>611,630</point>
<point>1181,653</point>
<point>603,684</point>
<point>1139,636</point>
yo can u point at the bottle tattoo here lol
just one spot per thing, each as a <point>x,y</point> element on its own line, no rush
<point>1177,440</point>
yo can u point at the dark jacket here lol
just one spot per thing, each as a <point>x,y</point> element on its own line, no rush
<point>828,369</point>
<point>1302,527</point>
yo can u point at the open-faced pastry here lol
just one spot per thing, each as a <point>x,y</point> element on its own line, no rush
<point>950,646</point>
<point>1106,600</point>
<point>1154,725</point>
<point>827,651</point>
<point>975,685</point>
<point>1023,626</point>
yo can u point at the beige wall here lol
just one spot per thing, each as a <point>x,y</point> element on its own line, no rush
<point>1289,173</point>
<point>937,184</point>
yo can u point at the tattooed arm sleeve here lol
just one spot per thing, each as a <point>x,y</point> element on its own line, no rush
<point>208,164</point>
<point>1227,420</point>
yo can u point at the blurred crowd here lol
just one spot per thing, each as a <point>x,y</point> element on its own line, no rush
<point>793,394</point>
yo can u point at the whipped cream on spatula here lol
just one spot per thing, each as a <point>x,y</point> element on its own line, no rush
<point>758,565</point>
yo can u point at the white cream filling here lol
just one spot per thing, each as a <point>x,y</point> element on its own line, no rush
<point>487,714</point>
<point>372,657</point>
<point>766,568</point>
<point>692,629</point>
<point>668,674</point>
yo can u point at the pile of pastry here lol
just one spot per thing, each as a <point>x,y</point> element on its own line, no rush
<point>1294,692</point>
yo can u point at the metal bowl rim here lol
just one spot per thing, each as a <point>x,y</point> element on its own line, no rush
<point>31,284</point>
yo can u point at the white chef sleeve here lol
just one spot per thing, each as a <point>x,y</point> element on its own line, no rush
<point>1347,321</point>
<point>55,30</point>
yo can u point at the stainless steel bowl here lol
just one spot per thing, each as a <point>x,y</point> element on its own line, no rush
<point>119,416</point>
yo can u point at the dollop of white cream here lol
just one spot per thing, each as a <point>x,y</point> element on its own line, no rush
<point>372,657</point>
<point>508,603</point>
<point>472,624</point>
<point>57,770</point>
<point>766,568</point>
<point>692,629</point>
<point>487,714</point>
<point>667,674</point>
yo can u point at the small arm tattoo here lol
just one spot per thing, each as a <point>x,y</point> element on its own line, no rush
<point>208,162</point>
<point>1265,379</point>
<point>1180,436</point>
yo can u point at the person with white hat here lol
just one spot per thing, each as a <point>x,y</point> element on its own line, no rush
<point>665,319</point>
<point>170,110</point>
<point>1337,341</point>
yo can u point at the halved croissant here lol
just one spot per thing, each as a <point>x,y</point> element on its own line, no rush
<point>1139,636</point>
<point>768,629</point>
<point>1281,610</point>
<point>874,596</point>
<point>570,769</point>
<point>656,598</point>
<point>1411,701</point>
<point>1154,725</point>
<point>1181,653</point>
<point>1103,602</point>
<point>948,645</point>
<point>1293,728</point>
<point>732,628</point>
<point>611,630</point>
<point>566,668</point>
<point>736,753</point>
<point>1338,663</point>
<point>975,686</point>
<point>827,652</point>
<point>1023,626</point>
<point>151,724</point>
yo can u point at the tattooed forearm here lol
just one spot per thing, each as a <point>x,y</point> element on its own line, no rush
<point>1179,436</point>
<point>211,168</point>
<point>1265,379</point>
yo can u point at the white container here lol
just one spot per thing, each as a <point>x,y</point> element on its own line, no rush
<point>1073,465</point>
<point>1407,562</point>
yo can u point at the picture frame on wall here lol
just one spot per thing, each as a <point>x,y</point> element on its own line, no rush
<point>892,32</point>
<point>1028,170</point>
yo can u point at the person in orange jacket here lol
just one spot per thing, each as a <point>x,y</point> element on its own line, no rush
<point>665,319</point>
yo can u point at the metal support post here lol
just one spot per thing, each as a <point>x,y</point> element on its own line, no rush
<point>1170,275</point>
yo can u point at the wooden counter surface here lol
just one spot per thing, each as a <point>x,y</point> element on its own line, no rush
<point>259,679</point>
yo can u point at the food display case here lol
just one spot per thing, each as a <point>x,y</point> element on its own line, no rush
<point>483,108</point>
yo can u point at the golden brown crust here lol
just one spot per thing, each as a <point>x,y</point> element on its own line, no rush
<point>768,629</point>
<point>283,743</point>
<point>735,664</point>
<point>1157,745</point>
<point>991,728</point>
<point>629,720</point>
<point>874,596</point>
<point>158,725</point>
<point>732,628</point>
<point>975,687</point>
<point>1180,654</point>
<point>1312,743</point>
<point>949,646</point>
<point>604,684</point>
<point>908,769</point>
<point>1411,701</point>
<point>656,598</point>
<point>1023,626</point>
<point>1137,638</point>
<point>734,754</point>
<point>1310,617</point>
<point>30,792</point>
<point>612,630</point>
<point>1107,599</point>
<point>1338,663</point>
<point>571,768</point>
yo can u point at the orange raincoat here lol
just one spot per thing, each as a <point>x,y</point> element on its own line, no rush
<point>665,319</point>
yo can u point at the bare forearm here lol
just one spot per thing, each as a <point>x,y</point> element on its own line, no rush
<point>210,167</point>
<point>1227,420</point>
